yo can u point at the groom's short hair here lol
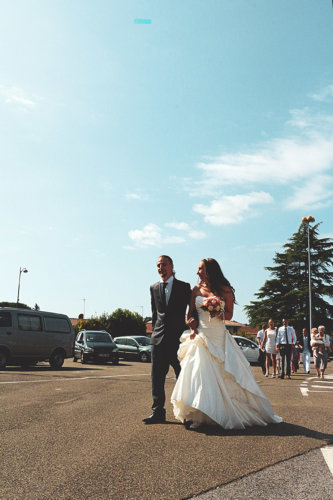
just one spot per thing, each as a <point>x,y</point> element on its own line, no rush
<point>166,257</point>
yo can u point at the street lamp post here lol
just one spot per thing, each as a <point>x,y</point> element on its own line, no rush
<point>307,221</point>
<point>22,270</point>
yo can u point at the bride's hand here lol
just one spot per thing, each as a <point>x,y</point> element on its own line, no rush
<point>192,323</point>
<point>193,334</point>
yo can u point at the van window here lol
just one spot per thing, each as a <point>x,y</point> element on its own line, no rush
<point>29,323</point>
<point>53,324</point>
<point>5,319</point>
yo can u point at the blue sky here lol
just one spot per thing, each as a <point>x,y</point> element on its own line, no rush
<point>206,133</point>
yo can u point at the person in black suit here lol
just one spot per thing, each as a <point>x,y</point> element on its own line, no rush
<point>169,300</point>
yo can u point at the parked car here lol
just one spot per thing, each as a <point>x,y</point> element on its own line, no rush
<point>134,347</point>
<point>28,336</point>
<point>248,348</point>
<point>95,345</point>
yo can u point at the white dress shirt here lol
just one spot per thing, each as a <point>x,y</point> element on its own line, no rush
<point>260,335</point>
<point>168,288</point>
<point>281,335</point>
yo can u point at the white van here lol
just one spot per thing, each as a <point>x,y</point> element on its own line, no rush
<point>28,336</point>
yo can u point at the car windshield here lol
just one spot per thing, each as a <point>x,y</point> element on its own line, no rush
<point>98,337</point>
<point>143,340</point>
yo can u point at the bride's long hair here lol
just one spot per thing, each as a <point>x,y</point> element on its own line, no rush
<point>216,279</point>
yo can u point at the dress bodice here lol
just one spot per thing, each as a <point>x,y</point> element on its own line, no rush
<point>205,320</point>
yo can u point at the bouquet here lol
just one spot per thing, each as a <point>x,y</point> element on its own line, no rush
<point>213,305</point>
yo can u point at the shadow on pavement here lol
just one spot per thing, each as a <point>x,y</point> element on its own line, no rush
<point>283,429</point>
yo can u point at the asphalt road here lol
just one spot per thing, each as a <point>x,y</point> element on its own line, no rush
<point>77,432</point>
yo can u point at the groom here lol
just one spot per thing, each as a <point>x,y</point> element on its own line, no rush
<point>169,300</point>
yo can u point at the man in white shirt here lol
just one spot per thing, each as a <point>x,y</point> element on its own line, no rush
<point>262,356</point>
<point>306,350</point>
<point>285,341</point>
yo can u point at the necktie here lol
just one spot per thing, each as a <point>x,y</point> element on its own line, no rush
<point>286,332</point>
<point>164,284</point>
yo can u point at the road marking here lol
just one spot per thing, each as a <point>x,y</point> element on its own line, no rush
<point>92,377</point>
<point>328,455</point>
<point>322,387</point>
<point>313,383</point>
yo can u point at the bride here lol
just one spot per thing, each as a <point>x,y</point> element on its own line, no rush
<point>216,385</point>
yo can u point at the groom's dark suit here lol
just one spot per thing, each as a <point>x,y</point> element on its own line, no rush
<point>168,323</point>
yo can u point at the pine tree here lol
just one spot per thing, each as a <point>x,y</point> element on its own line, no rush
<point>286,294</point>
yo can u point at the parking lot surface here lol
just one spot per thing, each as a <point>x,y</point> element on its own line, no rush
<point>78,432</point>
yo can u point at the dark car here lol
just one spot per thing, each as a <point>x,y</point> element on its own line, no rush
<point>134,347</point>
<point>95,345</point>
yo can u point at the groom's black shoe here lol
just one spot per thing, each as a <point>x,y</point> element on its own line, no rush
<point>154,419</point>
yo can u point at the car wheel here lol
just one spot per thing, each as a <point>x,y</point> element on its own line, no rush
<point>144,357</point>
<point>115,361</point>
<point>3,359</point>
<point>74,359</point>
<point>83,358</point>
<point>57,359</point>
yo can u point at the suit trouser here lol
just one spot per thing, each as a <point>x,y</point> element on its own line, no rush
<point>262,360</point>
<point>306,358</point>
<point>162,356</point>
<point>285,351</point>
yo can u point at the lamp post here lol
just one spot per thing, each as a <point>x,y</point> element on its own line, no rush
<point>307,220</point>
<point>22,270</point>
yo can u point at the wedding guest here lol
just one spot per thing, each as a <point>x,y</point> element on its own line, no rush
<point>269,344</point>
<point>285,340</point>
<point>320,351</point>
<point>295,357</point>
<point>262,357</point>
<point>305,348</point>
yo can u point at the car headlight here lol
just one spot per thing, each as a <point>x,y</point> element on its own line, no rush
<point>115,350</point>
<point>88,349</point>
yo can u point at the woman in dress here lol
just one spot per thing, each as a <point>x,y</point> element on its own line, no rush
<point>269,343</point>
<point>216,385</point>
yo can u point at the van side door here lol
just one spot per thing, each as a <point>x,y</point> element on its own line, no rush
<point>30,335</point>
<point>7,332</point>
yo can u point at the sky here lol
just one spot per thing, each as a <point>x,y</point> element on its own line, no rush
<point>139,128</point>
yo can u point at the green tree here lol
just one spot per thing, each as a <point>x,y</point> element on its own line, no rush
<point>286,294</point>
<point>89,324</point>
<point>14,304</point>
<point>121,322</point>
<point>124,322</point>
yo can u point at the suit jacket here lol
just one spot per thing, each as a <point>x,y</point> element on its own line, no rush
<point>169,322</point>
<point>300,340</point>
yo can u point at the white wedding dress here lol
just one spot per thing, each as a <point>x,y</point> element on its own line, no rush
<point>216,385</point>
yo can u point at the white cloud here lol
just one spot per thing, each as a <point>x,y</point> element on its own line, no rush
<point>232,209</point>
<point>18,97</point>
<point>295,169</point>
<point>324,95</point>
<point>280,161</point>
<point>314,194</point>
<point>187,229</point>
<point>181,226</point>
<point>135,196</point>
<point>153,235</point>
<point>150,235</point>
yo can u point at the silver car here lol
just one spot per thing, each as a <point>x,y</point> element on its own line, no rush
<point>248,348</point>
